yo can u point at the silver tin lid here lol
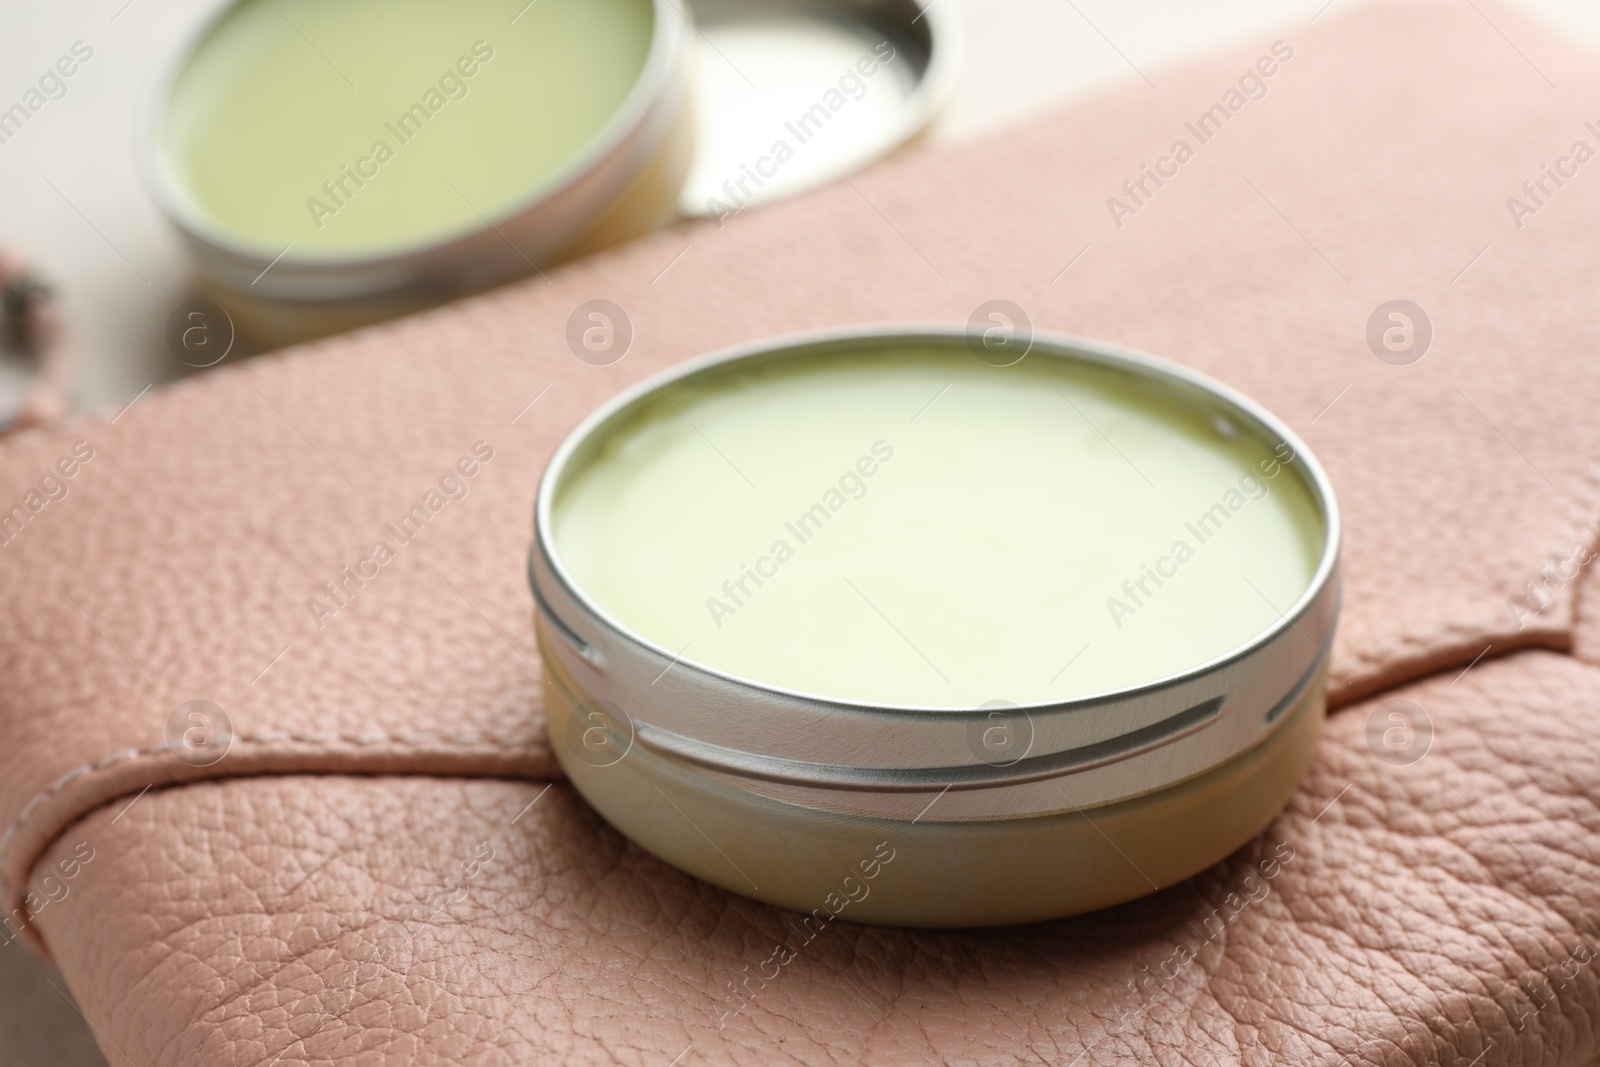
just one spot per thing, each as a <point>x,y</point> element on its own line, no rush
<point>887,760</point>
<point>792,94</point>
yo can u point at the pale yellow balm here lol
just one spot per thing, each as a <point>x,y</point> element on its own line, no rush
<point>360,127</point>
<point>913,527</point>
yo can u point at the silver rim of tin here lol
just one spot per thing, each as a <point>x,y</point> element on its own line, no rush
<point>888,760</point>
<point>470,258</point>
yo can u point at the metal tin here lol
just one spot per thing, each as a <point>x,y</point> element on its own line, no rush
<point>778,795</point>
<point>623,184</point>
<point>764,72</point>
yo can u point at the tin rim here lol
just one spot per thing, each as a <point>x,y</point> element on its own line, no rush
<point>1064,346</point>
<point>654,82</point>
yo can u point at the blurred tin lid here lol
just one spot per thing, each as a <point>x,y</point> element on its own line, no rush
<point>792,94</point>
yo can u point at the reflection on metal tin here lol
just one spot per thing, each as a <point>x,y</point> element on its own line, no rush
<point>791,94</point>
<point>799,572</point>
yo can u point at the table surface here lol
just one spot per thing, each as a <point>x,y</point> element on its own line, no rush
<point>74,204</point>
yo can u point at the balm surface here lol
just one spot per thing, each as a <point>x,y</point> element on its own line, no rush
<point>358,127</point>
<point>916,528</point>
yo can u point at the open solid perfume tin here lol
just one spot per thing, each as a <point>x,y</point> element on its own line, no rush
<point>863,625</point>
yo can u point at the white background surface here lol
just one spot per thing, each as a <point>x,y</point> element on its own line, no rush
<point>70,198</point>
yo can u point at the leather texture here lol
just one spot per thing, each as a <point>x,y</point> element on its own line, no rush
<point>1427,913</point>
<point>271,911</point>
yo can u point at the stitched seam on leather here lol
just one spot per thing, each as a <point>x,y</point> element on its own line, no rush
<point>1584,520</point>
<point>1385,655</point>
<point>271,737</point>
<point>511,744</point>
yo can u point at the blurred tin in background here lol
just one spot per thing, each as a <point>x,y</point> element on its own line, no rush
<point>334,164</point>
